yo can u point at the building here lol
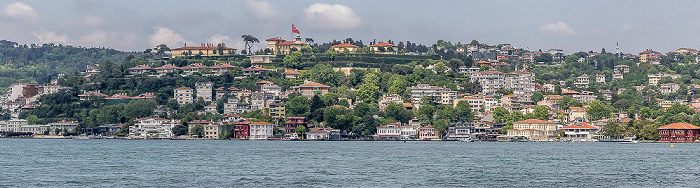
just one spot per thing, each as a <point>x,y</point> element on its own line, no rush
<point>152,128</point>
<point>384,48</point>
<point>600,78</point>
<point>428,133</point>
<point>222,68</point>
<point>534,129</point>
<point>445,96</point>
<point>345,48</point>
<point>520,82</point>
<point>254,70</point>
<point>205,91</point>
<point>140,69</point>
<point>387,99</point>
<point>202,50</point>
<point>212,130</point>
<point>618,76</point>
<point>260,130</point>
<point>280,46</point>
<point>64,126</point>
<point>277,110</point>
<point>582,81</point>
<point>654,78</point>
<point>242,130</point>
<point>581,131</point>
<point>678,132</point>
<point>167,68</point>
<point>91,95</point>
<point>192,68</point>
<point>271,88</point>
<point>458,131</point>
<point>309,88</point>
<point>13,125</point>
<point>291,74</point>
<point>649,56</point>
<point>291,125</point>
<point>184,95</point>
<point>410,131</point>
<point>318,134</point>
<point>391,131</point>
<point>621,69</point>
<point>478,101</point>
<point>669,88</point>
<point>254,59</point>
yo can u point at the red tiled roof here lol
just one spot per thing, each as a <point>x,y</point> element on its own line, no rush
<point>140,67</point>
<point>344,45</point>
<point>313,84</point>
<point>195,65</point>
<point>181,88</point>
<point>223,65</point>
<point>679,126</point>
<point>533,121</point>
<point>488,72</point>
<point>289,71</point>
<point>95,93</point>
<point>287,43</point>
<point>275,39</point>
<point>256,68</point>
<point>383,44</point>
<point>168,66</point>
<point>582,125</point>
<point>202,48</point>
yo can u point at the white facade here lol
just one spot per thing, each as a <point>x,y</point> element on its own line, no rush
<point>152,127</point>
<point>205,91</point>
<point>260,131</point>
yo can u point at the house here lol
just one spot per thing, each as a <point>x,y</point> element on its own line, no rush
<point>534,129</point>
<point>211,108</point>
<point>261,58</point>
<point>445,96</point>
<point>622,69</point>
<point>212,130</point>
<point>91,95</point>
<point>428,133</point>
<point>184,95</point>
<point>581,131</point>
<point>280,46</point>
<point>669,88</point>
<point>203,50</point>
<point>204,91</point>
<point>345,48</point>
<point>384,48</point>
<point>222,68</point>
<point>577,113</point>
<point>318,134</point>
<point>254,70</point>
<point>410,131</point>
<point>618,76</point>
<point>260,130</point>
<point>232,118</point>
<point>291,125</point>
<point>649,56</point>
<point>242,130</point>
<point>459,130</point>
<point>277,110</point>
<point>193,123</point>
<point>391,131</point>
<point>13,125</point>
<point>167,68</point>
<point>192,68</point>
<point>271,88</point>
<point>386,99</point>
<point>291,74</point>
<point>600,78</point>
<point>152,127</point>
<point>140,69</point>
<point>309,88</point>
<point>678,132</point>
<point>582,81</point>
<point>62,127</point>
<point>654,78</point>
<point>232,106</point>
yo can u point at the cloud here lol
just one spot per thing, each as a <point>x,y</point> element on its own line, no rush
<point>331,17</point>
<point>163,35</point>
<point>91,20</point>
<point>46,36</point>
<point>628,27</point>
<point>559,28</point>
<point>19,10</point>
<point>95,38</point>
<point>260,9</point>
<point>235,43</point>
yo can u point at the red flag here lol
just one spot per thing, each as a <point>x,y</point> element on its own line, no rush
<point>294,29</point>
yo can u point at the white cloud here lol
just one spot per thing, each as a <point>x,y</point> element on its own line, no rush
<point>91,20</point>
<point>559,28</point>
<point>331,17</point>
<point>19,10</point>
<point>628,27</point>
<point>163,35</point>
<point>46,36</point>
<point>260,9</point>
<point>235,43</point>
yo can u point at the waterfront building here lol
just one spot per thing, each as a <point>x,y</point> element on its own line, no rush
<point>291,125</point>
<point>409,131</point>
<point>152,128</point>
<point>241,130</point>
<point>678,132</point>
<point>12,125</point>
<point>184,95</point>
<point>62,127</point>
<point>212,130</point>
<point>581,131</point>
<point>391,131</point>
<point>428,133</point>
<point>534,129</point>
<point>260,130</point>
<point>318,134</point>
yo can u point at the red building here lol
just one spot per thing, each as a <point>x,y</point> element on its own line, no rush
<point>678,132</point>
<point>242,130</point>
<point>292,123</point>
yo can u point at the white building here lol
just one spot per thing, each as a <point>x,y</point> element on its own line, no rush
<point>205,91</point>
<point>184,95</point>
<point>260,130</point>
<point>534,129</point>
<point>581,131</point>
<point>152,128</point>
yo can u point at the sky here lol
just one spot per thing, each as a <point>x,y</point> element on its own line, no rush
<point>134,25</point>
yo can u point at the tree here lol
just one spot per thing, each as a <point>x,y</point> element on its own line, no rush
<point>645,112</point>
<point>454,64</point>
<point>324,74</point>
<point>398,86</point>
<point>293,60</point>
<point>614,129</point>
<point>198,130</point>
<point>541,112</point>
<point>161,49</point>
<point>180,129</point>
<point>678,108</point>
<point>598,110</point>
<point>508,126</point>
<point>338,117</point>
<point>330,53</point>
<point>440,67</point>
<point>647,130</point>
<point>441,125</point>
<point>298,106</point>
<point>398,112</point>
<point>249,40</point>
<point>300,130</point>
<point>309,40</point>
<point>537,96</point>
<point>362,109</point>
<point>464,111</point>
<point>500,114</point>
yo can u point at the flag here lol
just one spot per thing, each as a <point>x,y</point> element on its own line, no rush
<point>294,29</point>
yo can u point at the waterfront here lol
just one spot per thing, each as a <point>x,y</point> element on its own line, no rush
<point>201,163</point>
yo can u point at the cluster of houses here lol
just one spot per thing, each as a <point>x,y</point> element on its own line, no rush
<point>24,96</point>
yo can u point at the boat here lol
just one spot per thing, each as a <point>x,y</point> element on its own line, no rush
<point>466,140</point>
<point>629,142</point>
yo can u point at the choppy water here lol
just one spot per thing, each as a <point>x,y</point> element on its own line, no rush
<point>153,163</point>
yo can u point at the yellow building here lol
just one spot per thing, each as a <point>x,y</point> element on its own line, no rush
<point>384,48</point>
<point>534,129</point>
<point>345,48</point>
<point>281,46</point>
<point>203,50</point>
<point>184,95</point>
